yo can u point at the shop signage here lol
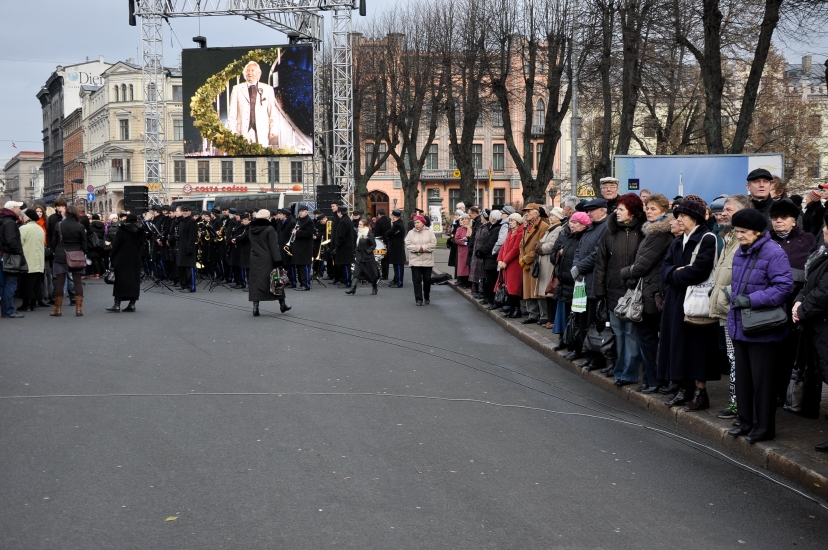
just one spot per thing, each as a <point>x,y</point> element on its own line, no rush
<point>218,188</point>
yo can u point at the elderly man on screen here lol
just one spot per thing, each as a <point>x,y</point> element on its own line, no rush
<point>254,113</point>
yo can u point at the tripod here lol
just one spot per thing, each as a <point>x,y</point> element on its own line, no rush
<point>315,275</point>
<point>157,282</point>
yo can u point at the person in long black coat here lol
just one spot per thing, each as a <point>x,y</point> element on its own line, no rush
<point>686,352</point>
<point>345,244</point>
<point>395,244</point>
<point>333,269</point>
<point>382,227</point>
<point>366,263</point>
<point>243,248</point>
<point>126,262</point>
<point>185,255</point>
<point>489,258</point>
<point>303,248</point>
<point>814,212</point>
<point>265,256</point>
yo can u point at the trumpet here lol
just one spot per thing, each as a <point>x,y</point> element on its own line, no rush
<point>286,248</point>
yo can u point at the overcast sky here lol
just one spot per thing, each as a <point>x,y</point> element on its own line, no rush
<point>38,35</point>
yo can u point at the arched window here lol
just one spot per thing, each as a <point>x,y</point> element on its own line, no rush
<point>540,113</point>
<point>116,94</point>
<point>130,93</point>
<point>377,200</point>
<point>123,92</point>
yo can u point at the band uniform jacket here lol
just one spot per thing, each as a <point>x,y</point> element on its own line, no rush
<point>285,230</point>
<point>382,227</point>
<point>395,243</point>
<point>265,256</point>
<point>186,251</point>
<point>302,247</point>
<point>345,243</point>
<point>241,250</point>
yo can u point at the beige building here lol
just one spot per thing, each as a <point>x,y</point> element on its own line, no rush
<point>24,182</point>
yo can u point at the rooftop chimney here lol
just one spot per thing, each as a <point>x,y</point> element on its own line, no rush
<point>101,58</point>
<point>806,65</point>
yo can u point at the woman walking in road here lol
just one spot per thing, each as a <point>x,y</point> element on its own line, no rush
<point>69,236</point>
<point>264,258</point>
<point>420,244</point>
<point>127,263</point>
<point>366,264</point>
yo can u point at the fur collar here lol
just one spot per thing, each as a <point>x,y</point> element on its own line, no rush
<point>661,226</point>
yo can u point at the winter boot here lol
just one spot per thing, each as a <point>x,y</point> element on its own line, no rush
<point>116,306</point>
<point>699,402</point>
<point>78,306</point>
<point>374,288</point>
<point>255,309</point>
<point>58,306</point>
<point>283,307</point>
<point>351,290</point>
<point>680,399</point>
<point>130,307</point>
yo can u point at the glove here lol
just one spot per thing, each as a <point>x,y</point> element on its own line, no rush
<point>574,272</point>
<point>740,302</point>
<point>522,264</point>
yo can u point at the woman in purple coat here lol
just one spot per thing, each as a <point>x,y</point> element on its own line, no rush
<point>761,279</point>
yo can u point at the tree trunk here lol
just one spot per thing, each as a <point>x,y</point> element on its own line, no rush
<point>602,168</point>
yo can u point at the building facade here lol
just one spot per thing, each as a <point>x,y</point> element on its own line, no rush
<point>59,97</point>
<point>23,177</point>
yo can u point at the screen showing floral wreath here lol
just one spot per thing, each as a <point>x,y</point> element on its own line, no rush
<point>249,101</point>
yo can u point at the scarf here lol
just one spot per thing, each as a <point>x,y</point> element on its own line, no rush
<point>362,233</point>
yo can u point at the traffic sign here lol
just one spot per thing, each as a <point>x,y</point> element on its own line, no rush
<point>90,188</point>
<point>90,197</point>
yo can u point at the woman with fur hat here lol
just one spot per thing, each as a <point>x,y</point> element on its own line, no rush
<point>126,262</point>
<point>686,352</point>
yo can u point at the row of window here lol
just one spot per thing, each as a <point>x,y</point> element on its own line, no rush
<point>178,129</point>
<point>125,92</point>
<point>498,197</point>
<point>227,174</point>
<point>433,158</point>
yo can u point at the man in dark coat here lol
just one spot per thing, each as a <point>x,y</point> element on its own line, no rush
<point>814,212</point>
<point>11,245</point>
<point>185,257</point>
<point>172,246</point>
<point>285,229</point>
<point>126,262</point>
<point>485,251</point>
<point>759,188</point>
<point>345,244</point>
<point>356,215</point>
<point>382,227</point>
<point>303,248</point>
<point>609,190</point>
<point>242,250</point>
<point>395,244</point>
<point>265,256</point>
<point>320,226</point>
<point>333,270</point>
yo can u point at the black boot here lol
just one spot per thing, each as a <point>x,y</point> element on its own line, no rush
<point>680,399</point>
<point>351,290</point>
<point>255,309</point>
<point>283,307</point>
<point>374,289</point>
<point>699,402</point>
<point>116,306</point>
<point>130,307</point>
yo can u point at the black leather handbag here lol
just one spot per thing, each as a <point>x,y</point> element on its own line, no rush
<point>15,263</point>
<point>600,343</point>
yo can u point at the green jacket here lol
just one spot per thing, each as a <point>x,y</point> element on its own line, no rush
<point>32,236</point>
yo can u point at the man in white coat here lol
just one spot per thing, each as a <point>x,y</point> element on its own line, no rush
<point>254,113</point>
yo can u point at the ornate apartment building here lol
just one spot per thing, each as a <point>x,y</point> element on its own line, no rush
<point>23,178</point>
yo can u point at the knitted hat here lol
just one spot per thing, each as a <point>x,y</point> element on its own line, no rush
<point>558,213</point>
<point>517,217</point>
<point>750,218</point>
<point>31,214</point>
<point>508,209</point>
<point>422,219</point>
<point>694,206</point>
<point>814,196</point>
<point>262,214</point>
<point>581,217</point>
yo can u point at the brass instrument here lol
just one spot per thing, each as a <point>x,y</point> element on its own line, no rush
<point>286,248</point>
<point>326,242</point>
<point>220,234</point>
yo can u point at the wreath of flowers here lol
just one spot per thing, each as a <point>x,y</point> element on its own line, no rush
<point>205,116</point>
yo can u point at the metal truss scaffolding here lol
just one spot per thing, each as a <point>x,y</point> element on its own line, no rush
<point>300,19</point>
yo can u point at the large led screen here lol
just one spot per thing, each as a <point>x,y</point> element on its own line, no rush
<point>249,101</point>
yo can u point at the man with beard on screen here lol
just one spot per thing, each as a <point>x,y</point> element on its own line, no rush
<point>254,113</point>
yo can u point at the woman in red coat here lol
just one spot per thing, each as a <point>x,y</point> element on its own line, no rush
<point>509,265</point>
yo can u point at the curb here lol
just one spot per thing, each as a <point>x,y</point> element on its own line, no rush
<point>784,461</point>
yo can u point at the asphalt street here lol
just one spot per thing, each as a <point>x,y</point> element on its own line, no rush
<point>349,422</point>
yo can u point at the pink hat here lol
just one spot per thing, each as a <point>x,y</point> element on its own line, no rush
<point>581,217</point>
<point>422,219</point>
<point>813,195</point>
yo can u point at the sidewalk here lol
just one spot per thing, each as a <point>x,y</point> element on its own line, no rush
<point>791,455</point>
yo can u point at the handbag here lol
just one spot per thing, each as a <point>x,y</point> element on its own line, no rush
<point>94,241</point>
<point>109,277</point>
<point>278,282</point>
<point>501,293</point>
<point>552,285</point>
<point>571,332</point>
<point>631,305</point>
<point>579,297</point>
<point>599,342</point>
<point>536,269</point>
<point>697,297</point>
<point>15,263</point>
<point>75,259</point>
<point>805,387</point>
<point>759,320</point>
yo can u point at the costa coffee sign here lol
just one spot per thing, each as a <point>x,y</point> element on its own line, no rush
<point>215,188</point>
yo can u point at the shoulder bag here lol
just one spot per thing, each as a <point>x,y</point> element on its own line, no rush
<point>109,277</point>
<point>278,282</point>
<point>501,293</point>
<point>757,321</point>
<point>75,259</point>
<point>631,305</point>
<point>15,263</point>
<point>697,297</point>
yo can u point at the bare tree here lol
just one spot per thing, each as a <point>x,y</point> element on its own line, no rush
<point>531,62</point>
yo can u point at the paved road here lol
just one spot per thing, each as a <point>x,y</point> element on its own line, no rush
<point>350,422</point>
